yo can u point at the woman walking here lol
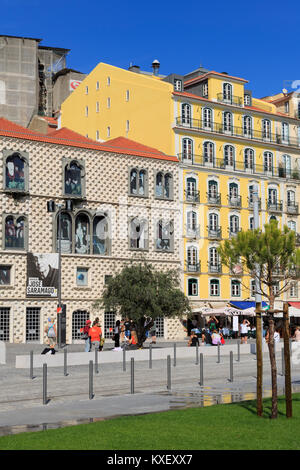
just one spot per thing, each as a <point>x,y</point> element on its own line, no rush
<point>116,337</point>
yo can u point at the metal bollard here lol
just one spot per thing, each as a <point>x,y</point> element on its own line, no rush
<point>65,362</point>
<point>96,362</point>
<point>231,367</point>
<point>124,359</point>
<point>132,376</point>
<point>44,384</point>
<point>31,364</point>
<point>219,354</point>
<point>201,369</point>
<point>91,380</point>
<point>169,372</point>
<point>239,351</point>
<point>150,356</point>
<point>197,354</point>
<point>174,354</point>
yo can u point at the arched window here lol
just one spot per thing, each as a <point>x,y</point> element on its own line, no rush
<point>164,238</point>
<point>212,189</point>
<point>234,224</point>
<point>213,222</point>
<point>187,150</point>
<point>291,199</point>
<point>73,174</point>
<point>247,126</point>
<point>192,256</point>
<point>192,220</point>
<point>191,184</point>
<point>287,167</point>
<point>227,92</point>
<point>138,182</point>
<point>138,231</point>
<point>186,114</point>
<point>272,196</point>
<point>15,177</point>
<point>168,186</point>
<point>64,233</point>
<point>214,287</point>
<point>268,162</point>
<point>193,287</point>
<point>229,155</point>
<point>164,185</point>
<point>285,132</point>
<point>227,121</point>
<point>159,184</point>
<point>82,233</point>
<point>213,260</point>
<point>209,152</point>
<point>207,118</point>
<point>249,159</point>
<point>14,227</point>
<point>292,225</point>
<point>235,288</point>
<point>266,129</point>
<point>100,235</point>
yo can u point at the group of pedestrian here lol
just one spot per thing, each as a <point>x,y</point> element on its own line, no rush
<point>92,335</point>
<point>209,336</point>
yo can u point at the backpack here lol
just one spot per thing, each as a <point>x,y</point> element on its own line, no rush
<point>51,332</point>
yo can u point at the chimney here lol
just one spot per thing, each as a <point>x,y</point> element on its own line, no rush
<point>155,67</point>
<point>134,68</point>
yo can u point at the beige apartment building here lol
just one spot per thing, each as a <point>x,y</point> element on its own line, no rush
<point>119,214</point>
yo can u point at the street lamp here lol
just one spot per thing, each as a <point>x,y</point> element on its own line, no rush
<point>53,207</point>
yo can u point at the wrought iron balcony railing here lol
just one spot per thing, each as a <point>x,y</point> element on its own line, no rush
<point>192,196</point>
<point>193,267</point>
<point>274,206</point>
<point>292,208</point>
<point>214,268</point>
<point>251,203</point>
<point>214,233</point>
<point>192,231</point>
<point>214,199</point>
<point>230,99</point>
<point>235,131</point>
<point>238,166</point>
<point>234,201</point>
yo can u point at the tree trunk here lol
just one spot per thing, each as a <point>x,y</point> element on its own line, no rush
<point>259,361</point>
<point>272,356</point>
<point>287,361</point>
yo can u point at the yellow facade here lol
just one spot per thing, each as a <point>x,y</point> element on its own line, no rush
<point>221,134</point>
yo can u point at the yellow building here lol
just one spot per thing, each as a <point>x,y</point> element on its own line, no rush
<point>228,142</point>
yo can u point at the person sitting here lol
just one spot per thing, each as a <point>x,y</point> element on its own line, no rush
<point>133,341</point>
<point>193,341</point>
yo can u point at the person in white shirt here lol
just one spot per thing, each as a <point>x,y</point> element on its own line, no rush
<point>244,331</point>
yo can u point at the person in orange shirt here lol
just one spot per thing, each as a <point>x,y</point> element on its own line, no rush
<point>95,334</point>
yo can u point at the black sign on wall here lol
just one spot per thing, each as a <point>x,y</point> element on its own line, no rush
<point>62,326</point>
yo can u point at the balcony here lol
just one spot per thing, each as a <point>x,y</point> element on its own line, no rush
<point>214,268</point>
<point>251,203</point>
<point>233,233</point>
<point>292,208</point>
<point>192,267</point>
<point>214,233</point>
<point>234,131</point>
<point>238,166</point>
<point>235,201</point>
<point>192,231</point>
<point>214,199</point>
<point>192,196</point>
<point>230,99</point>
<point>274,206</point>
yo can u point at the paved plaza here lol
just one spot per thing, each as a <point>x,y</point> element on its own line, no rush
<point>69,400</point>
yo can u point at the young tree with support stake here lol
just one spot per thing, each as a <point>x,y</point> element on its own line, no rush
<point>267,256</point>
<point>140,292</point>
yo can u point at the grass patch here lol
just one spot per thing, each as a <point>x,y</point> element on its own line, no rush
<point>231,426</point>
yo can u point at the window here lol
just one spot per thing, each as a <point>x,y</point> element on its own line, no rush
<point>192,255</point>
<point>86,111</point>
<point>127,95</point>
<point>276,288</point>
<point>229,155</point>
<point>97,85</point>
<point>291,198</point>
<point>212,189</point>
<point>4,323</point>
<point>109,324</point>
<point>108,102</point>
<point>286,107</point>
<point>287,166</point>
<point>292,225</point>
<point>227,92</point>
<point>138,182</point>
<point>97,107</point>
<point>108,81</point>
<point>64,234</point>
<point>16,171</point>
<point>193,287</point>
<point>33,324</point>
<point>272,196</point>
<point>266,129</point>
<point>285,132</point>
<point>101,236</point>
<point>205,89</point>
<point>249,159</point>
<point>209,152</point>
<point>79,318</point>
<point>294,289</point>
<point>5,275</point>
<point>108,131</point>
<point>177,85</point>
<point>186,114</point>
<point>192,220</point>
<point>163,185</point>
<point>138,233</point>
<point>234,224</point>
<point>227,121</point>
<point>213,222</point>
<point>251,223</point>
<point>97,135</point>
<point>214,260</point>
<point>15,232</point>
<point>207,118</point>
<point>127,126</point>
<point>214,287</point>
<point>86,90</point>
<point>191,185</point>
<point>268,162</point>
<point>74,177</point>
<point>247,100</point>
<point>82,277</point>
<point>187,150</point>
<point>253,288</point>
<point>233,191</point>
<point>247,126</point>
<point>235,288</point>
<point>164,235</point>
<point>82,233</point>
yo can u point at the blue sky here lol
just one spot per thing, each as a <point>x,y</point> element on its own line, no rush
<point>258,40</point>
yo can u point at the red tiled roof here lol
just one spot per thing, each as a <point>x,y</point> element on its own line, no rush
<point>201,77</point>
<point>70,138</point>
